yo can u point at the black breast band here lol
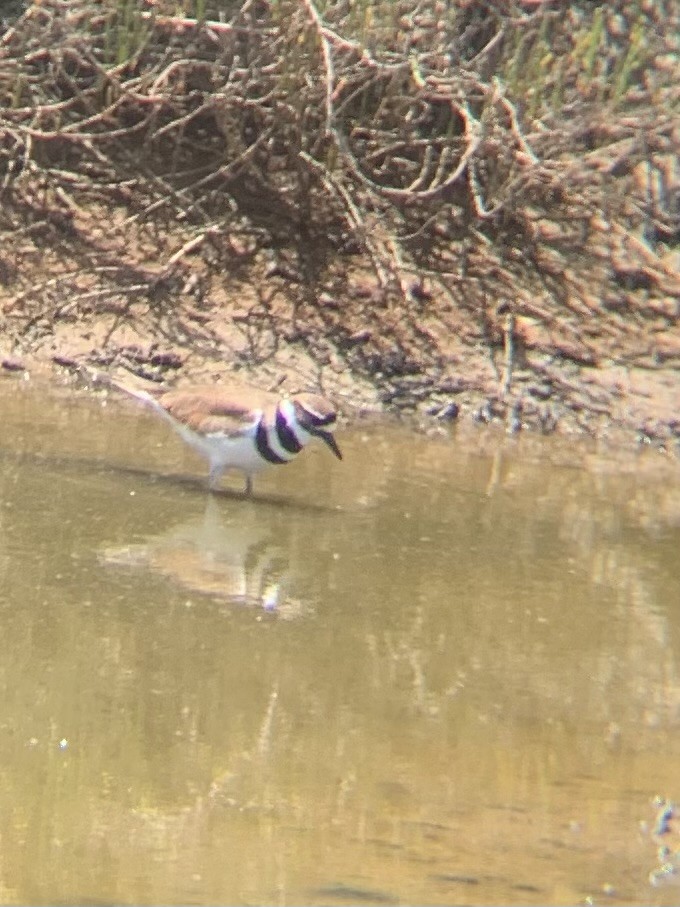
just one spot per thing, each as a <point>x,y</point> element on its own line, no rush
<point>262,445</point>
<point>285,434</point>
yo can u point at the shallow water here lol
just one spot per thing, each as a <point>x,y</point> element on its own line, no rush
<point>442,671</point>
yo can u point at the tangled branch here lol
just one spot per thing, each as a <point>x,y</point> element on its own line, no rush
<point>471,144</point>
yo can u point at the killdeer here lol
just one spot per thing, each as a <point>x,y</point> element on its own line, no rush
<point>239,428</point>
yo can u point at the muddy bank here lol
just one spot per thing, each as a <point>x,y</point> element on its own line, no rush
<point>185,199</point>
<point>115,304</point>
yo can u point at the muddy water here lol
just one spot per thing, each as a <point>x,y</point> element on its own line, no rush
<point>443,671</point>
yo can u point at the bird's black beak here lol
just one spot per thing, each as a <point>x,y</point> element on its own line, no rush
<point>330,440</point>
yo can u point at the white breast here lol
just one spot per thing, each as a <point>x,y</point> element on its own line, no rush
<point>227,453</point>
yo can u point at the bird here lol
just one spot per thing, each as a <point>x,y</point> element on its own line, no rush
<point>238,427</point>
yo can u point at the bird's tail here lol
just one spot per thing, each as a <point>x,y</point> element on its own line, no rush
<point>102,379</point>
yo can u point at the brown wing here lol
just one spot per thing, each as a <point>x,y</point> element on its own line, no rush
<point>213,409</point>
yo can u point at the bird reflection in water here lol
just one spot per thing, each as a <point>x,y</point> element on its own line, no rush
<point>234,560</point>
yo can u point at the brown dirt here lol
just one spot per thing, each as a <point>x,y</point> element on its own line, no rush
<point>155,221</point>
<point>96,287</point>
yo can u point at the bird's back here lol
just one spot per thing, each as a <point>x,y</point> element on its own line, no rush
<point>211,410</point>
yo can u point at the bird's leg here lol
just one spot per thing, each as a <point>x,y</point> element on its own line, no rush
<point>249,485</point>
<point>214,476</point>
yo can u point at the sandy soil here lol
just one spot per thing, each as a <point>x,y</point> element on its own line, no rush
<point>103,287</point>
